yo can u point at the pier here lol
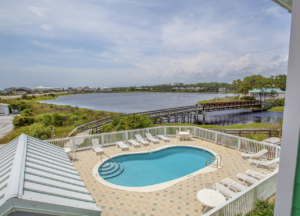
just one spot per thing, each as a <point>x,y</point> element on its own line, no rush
<point>184,114</point>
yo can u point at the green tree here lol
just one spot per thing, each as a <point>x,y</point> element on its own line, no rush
<point>24,96</point>
<point>45,118</point>
<point>39,130</point>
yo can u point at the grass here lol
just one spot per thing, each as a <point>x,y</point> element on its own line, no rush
<point>82,114</point>
<point>277,109</point>
<point>227,99</point>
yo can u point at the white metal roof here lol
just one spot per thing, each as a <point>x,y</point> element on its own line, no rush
<point>36,176</point>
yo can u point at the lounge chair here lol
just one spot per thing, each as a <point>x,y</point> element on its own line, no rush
<point>259,154</point>
<point>271,165</point>
<point>164,138</point>
<point>141,140</point>
<point>96,146</point>
<point>150,138</point>
<point>134,143</point>
<point>243,178</point>
<point>259,175</point>
<point>226,191</point>
<point>122,145</point>
<point>233,184</point>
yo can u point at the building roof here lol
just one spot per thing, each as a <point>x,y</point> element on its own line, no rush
<point>36,176</point>
<point>286,4</point>
<point>277,90</point>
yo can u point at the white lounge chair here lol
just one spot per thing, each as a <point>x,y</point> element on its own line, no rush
<point>226,191</point>
<point>271,165</point>
<point>150,138</point>
<point>122,145</point>
<point>96,146</point>
<point>164,138</point>
<point>243,178</point>
<point>259,175</point>
<point>134,143</point>
<point>233,184</point>
<point>141,140</point>
<point>259,154</point>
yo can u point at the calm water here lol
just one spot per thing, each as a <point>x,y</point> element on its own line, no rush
<point>132,102</point>
<point>158,167</point>
<point>139,102</point>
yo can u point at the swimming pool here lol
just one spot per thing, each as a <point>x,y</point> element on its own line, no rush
<point>145,169</point>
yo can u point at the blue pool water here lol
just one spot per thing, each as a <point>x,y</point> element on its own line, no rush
<point>158,167</point>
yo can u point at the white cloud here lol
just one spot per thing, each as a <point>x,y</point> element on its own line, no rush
<point>274,10</point>
<point>46,27</point>
<point>37,11</point>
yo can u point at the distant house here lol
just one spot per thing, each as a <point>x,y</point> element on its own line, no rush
<point>87,89</point>
<point>175,88</point>
<point>181,89</point>
<point>42,88</point>
<point>265,94</point>
<point>190,88</point>
<point>222,90</point>
<point>4,92</point>
<point>79,89</point>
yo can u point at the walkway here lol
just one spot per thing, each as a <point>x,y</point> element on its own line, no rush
<point>179,199</point>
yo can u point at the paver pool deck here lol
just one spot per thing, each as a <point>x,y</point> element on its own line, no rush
<point>179,199</point>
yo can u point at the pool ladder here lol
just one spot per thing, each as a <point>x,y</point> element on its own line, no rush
<point>216,157</point>
<point>113,169</point>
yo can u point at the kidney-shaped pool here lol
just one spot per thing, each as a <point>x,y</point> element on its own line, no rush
<point>145,169</point>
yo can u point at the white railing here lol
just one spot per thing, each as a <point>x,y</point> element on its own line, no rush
<point>231,141</point>
<point>243,202</point>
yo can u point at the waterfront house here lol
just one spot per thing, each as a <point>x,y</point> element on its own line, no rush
<point>266,94</point>
<point>79,89</point>
<point>222,90</point>
<point>190,88</point>
<point>175,88</point>
<point>181,89</point>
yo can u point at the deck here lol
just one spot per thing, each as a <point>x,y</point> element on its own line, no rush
<point>179,199</point>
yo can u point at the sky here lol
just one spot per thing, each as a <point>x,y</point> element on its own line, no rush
<point>119,43</point>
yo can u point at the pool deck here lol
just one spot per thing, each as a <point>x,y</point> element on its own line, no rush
<point>178,199</point>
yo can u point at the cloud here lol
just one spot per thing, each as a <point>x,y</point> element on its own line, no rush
<point>46,27</point>
<point>274,10</point>
<point>36,10</point>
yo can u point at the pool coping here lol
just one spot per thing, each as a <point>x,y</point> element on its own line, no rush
<point>155,187</point>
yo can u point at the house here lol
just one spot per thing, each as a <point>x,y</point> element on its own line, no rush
<point>266,94</point>
<point>222,90</point>
<point>87,89</point>
<point>20,90</point>
<point>175,88</point>
<point>43,89</point>
<point>190,88</point>
<point>79,89</point>
<point>4,92</point>
<point>181,89</point>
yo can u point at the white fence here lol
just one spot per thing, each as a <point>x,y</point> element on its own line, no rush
<point>243,202</point>
<point>231,141</point>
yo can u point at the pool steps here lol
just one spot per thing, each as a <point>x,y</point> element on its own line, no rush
<point>111,170</point>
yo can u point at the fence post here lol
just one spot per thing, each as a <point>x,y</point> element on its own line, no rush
<point>165,130</point>
<point>73,143</point>
<point>239,143</point>
<point>126,135</point>
<point>102,139</point>
<point>276,152</point>
<point>179,128</point>
<point>216,138</point>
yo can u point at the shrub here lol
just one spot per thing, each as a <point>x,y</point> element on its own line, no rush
<point>33,96</point>
<point>248,98</point>
<point>58,119</point>
<point>45,118</point>
<point>262,208</point>
<point>279,102</point>
<point>40,131</point>
<point>106,128</point>
<point>20,121</point>
<point>74,117</point>
<point>80,122</point>
<point>84,116</point>
<point>52,95</point>
<point>115,121</point>
<point>24,96</point>
<point>136,121</point>
<point>27,112</point>
<point>21,105</point>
